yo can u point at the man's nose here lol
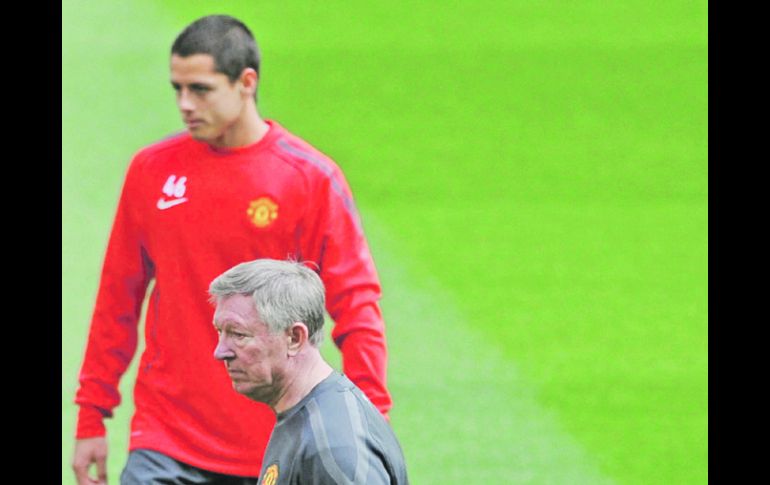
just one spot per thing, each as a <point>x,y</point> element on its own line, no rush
<point>184,100</point>
<point>222,351</point>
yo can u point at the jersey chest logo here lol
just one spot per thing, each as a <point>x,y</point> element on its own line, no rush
<point>175,189</point>
<point>262,212</point>
<point>271,475</point>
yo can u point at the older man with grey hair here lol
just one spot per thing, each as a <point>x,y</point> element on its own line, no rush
<point>269,316</point>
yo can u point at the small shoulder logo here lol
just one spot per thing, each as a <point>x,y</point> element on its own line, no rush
<point>263,211</point>
<point>271,475</point>
<point>173,188</point>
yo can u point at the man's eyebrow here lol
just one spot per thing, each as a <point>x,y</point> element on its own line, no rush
<point>197,84</point>
<point>230,324</point>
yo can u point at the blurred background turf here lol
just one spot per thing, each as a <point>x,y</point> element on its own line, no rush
<point>533,180</point>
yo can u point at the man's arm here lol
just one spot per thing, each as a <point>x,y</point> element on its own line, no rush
<point>352,290</point>
<point>112,338</point>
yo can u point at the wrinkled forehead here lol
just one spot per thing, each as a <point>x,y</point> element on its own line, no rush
<point>236,309</point>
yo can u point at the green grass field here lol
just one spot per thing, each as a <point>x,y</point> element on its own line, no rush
<point>532,177</point>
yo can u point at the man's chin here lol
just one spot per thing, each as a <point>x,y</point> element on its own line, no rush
<point>259,394</point>
<point>197,135</point>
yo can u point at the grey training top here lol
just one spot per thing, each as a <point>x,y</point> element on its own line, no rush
<point>334,435</point>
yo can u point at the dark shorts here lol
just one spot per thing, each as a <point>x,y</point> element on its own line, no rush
<point>147,467</point>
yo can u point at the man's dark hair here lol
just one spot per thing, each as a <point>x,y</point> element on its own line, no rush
<point>225,38</point>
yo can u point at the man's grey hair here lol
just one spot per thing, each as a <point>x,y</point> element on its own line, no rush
<point>284,292</point>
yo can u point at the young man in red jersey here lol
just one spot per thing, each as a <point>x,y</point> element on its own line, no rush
<point>233,187</point>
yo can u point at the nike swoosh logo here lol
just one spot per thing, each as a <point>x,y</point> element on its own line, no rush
<point>165,204</point>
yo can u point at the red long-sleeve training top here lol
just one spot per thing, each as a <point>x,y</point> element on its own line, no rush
<point>187,213</point>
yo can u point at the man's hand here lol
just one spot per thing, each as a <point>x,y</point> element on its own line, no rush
<point>87,452</point>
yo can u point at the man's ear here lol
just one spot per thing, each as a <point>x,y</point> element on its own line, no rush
<point>296,336</point>
<point>249,80</point>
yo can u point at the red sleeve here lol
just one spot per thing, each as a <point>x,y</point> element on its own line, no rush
<point>112,338</point>
<point>352,290</point>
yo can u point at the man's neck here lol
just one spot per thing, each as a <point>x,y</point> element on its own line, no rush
<point>248,130</point>
<point>307,375</point>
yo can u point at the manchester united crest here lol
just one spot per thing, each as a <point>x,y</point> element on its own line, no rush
<point>271,475</point>
<point>262,212</point>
